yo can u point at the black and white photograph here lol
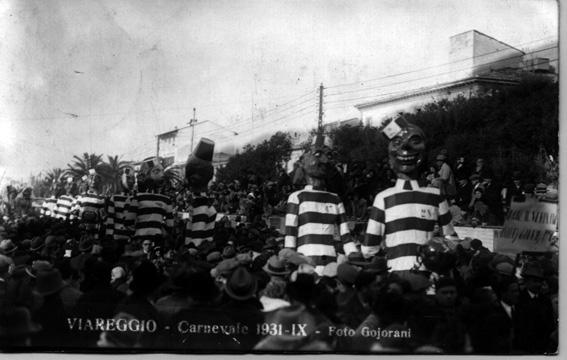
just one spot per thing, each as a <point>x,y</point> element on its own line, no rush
<point>280,177</point>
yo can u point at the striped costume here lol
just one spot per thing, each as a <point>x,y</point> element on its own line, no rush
<point>48,207</point>
<point>89,208</point>
<point>310,223</point>
<point>116,217</point>
<point>150,214</point>
<point>201,224</point>
<point>404,217</point>
<point>64,206</point>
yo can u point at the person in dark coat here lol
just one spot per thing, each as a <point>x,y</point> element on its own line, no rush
<point>495,324</point>
<point>242,305</point>
<point>99,301</point>
<point>145,282</point>
<point>51,316</point>
<point>534,314</point>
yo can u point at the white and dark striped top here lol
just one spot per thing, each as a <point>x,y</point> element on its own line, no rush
<point>310,223</point>
<point>64,206</point>
<point>201,224</point>
<point>48,207</point>
<point>404,217</point>
<point>90,211</point>
<point>149,214</point>
<point>116,217</point>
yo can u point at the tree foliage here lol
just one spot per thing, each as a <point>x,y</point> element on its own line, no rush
<point>262,159</point>
<point>507,127</point>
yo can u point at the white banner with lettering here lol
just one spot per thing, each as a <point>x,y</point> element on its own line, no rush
<point>530,225</point>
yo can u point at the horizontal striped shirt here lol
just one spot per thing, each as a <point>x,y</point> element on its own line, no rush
<point>311,220</point>
<point>48,207</point>
<point>90,208</point>
<point>116,217</point>
<point>403,218</point>
<point>150,214</point>
<point>64,205</point>
<point>201,224</point>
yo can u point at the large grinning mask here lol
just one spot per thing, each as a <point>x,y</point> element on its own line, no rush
<point>316,161</point>
<point>406,148</point>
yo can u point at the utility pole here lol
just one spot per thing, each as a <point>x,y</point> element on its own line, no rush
<point>192,123</point>
<point>157,151</point>
<point>320,123</point>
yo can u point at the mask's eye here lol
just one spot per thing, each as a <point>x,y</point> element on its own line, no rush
<point>416,140</point>
<point>397,141</point>
<point>317,154</point>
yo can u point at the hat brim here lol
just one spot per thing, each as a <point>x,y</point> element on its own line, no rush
<point>247,296</point>
<point>277,273</point>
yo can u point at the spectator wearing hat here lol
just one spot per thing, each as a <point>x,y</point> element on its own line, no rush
<point>7,247</point>
<point>477,207</point>
<point>445,176</point>
<point>17,328</point>
<point>241,304</point>
<point>461,170</point>
<point>463,197</point>
<point>441,323</point>
<point>51,315</point>
<point>492,197</point>
<point>514,190</point>
<point>36,245</point>
<point>6,264</point>
<point>351,309</point>
<point>391,310</point>
<point>145,282</point>
<point>534,313</point>
<point>275,267</point>
<point>203,308</point>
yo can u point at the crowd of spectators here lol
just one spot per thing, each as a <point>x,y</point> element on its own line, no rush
<point>62,289</point>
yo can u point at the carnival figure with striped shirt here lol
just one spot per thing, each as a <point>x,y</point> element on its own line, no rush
<point>313,214</point>
<point>403,217</point>
<point>149,214</point>
<point>89,207</point>
<point>202,214</point>
<point>116,207</point>
<point>66,201</point>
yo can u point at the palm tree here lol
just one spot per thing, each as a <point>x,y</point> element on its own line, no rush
<point>111,172</point>
<point>81,165</point>
<point>53,176</point>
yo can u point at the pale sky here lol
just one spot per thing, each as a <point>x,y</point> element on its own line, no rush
<point>107,76</point>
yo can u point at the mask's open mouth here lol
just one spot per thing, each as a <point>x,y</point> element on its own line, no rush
<point>407,159</point>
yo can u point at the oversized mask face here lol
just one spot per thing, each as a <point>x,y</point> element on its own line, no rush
<point>316,162</point>
<point>94,181</point>
<point>198,172</point>
<point>156,172</point>
<point>406,151</point>
<point>128,178</point>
